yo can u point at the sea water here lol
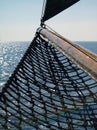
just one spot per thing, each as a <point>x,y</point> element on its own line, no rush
<point>10,55</point>
<point>12,52</point>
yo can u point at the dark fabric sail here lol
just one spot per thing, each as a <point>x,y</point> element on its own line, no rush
<point>54,7</point>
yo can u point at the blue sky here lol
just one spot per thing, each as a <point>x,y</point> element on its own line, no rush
<point>19,20</point>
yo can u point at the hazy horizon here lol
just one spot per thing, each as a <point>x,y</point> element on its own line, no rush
<point>19,20</point>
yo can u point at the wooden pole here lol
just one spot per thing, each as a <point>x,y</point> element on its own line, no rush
<point>83,58</point>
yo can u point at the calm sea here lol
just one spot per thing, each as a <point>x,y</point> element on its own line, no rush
<point>11,53</point>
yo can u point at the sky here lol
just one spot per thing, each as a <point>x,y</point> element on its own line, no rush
<point>19,20</point>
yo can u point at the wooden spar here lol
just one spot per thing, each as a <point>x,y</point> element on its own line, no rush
<point>83,58</point>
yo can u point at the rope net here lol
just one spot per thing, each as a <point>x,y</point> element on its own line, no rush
<point>47,91</point>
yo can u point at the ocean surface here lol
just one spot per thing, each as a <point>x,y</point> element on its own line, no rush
<point>12,52</point>
<point>10,55</point>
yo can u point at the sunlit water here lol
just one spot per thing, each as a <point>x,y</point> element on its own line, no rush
<point>11,53</point>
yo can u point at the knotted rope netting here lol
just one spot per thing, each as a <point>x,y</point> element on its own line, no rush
<point>47,91</point>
